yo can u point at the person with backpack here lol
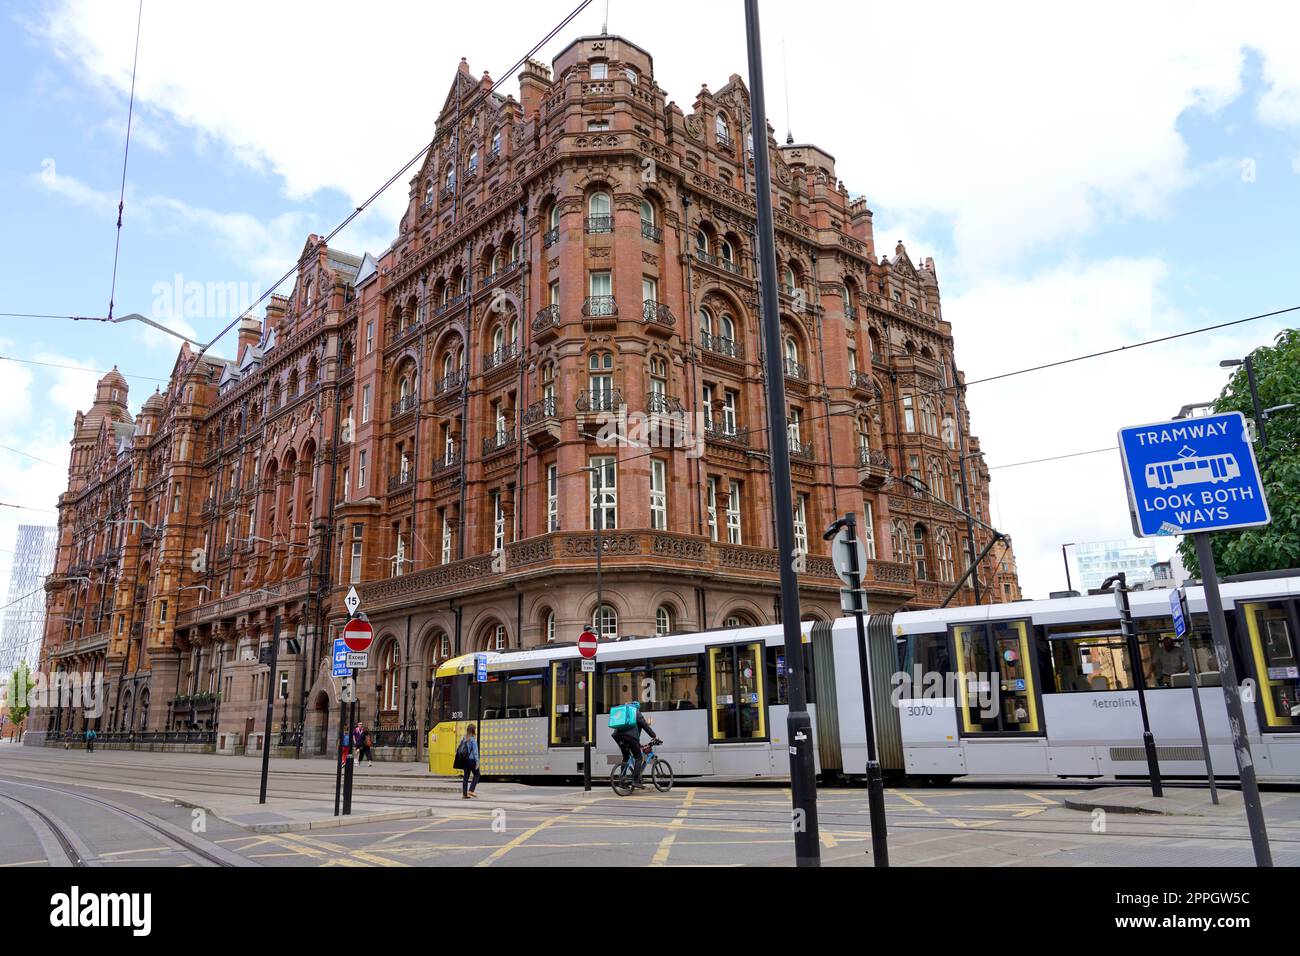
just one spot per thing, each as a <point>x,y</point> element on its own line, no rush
<point>466,761</point>
<point>90,740</point>
<point>627,722</point>
<point>364,742</point>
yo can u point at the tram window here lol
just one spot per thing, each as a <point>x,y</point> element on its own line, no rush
<point>1271,629</point>
<point>739,708</point>
<point>926,663</point>
<point>493,695</point>
<point>442,699</point>
<point>1089,658</point>
<point>995,680</point>
<point>1164,663</point>
<point>667,684</point>
<point>778,679</point>
<point>524,695</point>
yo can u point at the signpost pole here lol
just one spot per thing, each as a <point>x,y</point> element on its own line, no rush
<point>338,764</point>
<point>875,783</point>
<point>799,732</point>
<point>270,708</point>
<point>1139,678</point>
<point>1232,699</point>
<point>352,751</point>
<point>1181,626</point>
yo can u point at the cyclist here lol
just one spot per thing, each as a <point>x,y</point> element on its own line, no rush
<point>627,734</point>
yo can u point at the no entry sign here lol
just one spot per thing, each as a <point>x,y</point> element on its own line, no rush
<point>358,634</point>
<point>587,644</point>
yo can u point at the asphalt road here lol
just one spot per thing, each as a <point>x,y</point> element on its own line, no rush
<point>104,805</point>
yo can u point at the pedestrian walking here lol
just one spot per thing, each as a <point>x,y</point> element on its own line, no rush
<point>90,740</point>
<point>466,761</point>
<point>365,752</point>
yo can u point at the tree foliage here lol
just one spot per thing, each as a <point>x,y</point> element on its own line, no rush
<point>20,684</point>
<point>1274,546</point>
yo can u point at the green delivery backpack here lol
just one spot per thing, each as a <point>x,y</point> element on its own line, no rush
<point>622,717</point>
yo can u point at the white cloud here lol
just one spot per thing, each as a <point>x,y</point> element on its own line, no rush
<point>1006,323</point>
<point>1021,125</point>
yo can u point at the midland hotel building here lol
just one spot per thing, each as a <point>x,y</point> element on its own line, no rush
<point>440,425</point>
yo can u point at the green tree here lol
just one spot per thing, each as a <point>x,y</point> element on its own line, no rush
<point>1276,545</point>
<point>20,683</point>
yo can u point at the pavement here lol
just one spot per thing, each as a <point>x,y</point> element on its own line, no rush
<point>1183,802</point>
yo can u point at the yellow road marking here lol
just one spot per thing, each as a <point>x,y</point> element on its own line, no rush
<point>1043,799</point>
<point>25,863</point>
<point>519,840</point>
<point>361,855</point>
<point>674,827</point>
<point>143,849</point>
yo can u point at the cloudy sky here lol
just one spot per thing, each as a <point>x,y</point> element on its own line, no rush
<point>1083,176</point>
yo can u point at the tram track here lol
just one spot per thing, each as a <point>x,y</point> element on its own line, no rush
<point>59,834</point>
<point>138,819</point>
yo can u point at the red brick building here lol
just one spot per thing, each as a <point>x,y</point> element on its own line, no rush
<point>441,425</point>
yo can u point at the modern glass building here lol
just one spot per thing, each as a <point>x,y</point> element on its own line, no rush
<point>24,616</point>
<point>1098,560</point>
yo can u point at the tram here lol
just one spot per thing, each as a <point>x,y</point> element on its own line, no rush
<point>1026,689</point>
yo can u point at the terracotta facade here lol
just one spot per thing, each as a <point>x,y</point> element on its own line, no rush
<point>441,425</point>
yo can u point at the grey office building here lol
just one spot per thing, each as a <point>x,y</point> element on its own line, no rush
<point>24,616</point>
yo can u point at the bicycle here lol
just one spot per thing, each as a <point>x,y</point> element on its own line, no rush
<point>660,771</point>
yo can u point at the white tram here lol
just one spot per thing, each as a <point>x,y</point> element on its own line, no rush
<point>1033,688</point>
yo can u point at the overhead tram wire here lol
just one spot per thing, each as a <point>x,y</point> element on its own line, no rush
<point>79,368</point>
<point>392,179</point>
<point>126,153</point>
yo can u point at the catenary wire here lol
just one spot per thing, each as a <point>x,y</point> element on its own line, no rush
<point>126,153</point>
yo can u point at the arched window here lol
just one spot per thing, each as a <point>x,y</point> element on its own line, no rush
<point>937,484</point>
<point>600,381</point>
<point>451,178</point>
<point>929,420</point>
<point>663,621</point>
<point>900,542</point>
<point>444,647</point>
<point>787,278</point>
<point>605,623</point>
<point>548,627</point>
<point>499,638</point>
<point>428,193</point>
<point>647,212</point>
<point>598,204</point>
<point>706,322</point>
<point>701,242</point>
<point>943,548</point>
<point>496,144</point>
<point>473,160</point>
<point>918,537</point>
<point>389,678</point>
<point>728,328</point>
<point>723,129</point>
<point>498,338</point>
<point>791,351</point>
<point>725,252</point>
<point>555,216</point>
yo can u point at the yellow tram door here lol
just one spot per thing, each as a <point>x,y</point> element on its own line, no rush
<point>571,704</point>
<point>1271,627</point>
<point>996,679</point>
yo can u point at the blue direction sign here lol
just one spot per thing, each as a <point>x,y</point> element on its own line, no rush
<point>1192,475</point>
<point>480,668</point>
<point>341,668</point>
<point>1176,607</point>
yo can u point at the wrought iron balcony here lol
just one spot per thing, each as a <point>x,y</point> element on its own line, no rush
<point>451,303</point>
<point>801,449</point>
<point>446,461</point>
<point>650,231</point>
<point>507,353</point>
<point>874,458</point>
<point>547,318</point>
<point>728,265</point>
<point>660,404</point>
<point>599,306</point>
<point>494,154</point>
<point>551,237</point>
<point>403,405</point>
<point>796,369</point>
<point>716,343</point>
<point>496,442</point>
<point>850,313</point>
<point>450,382</point>
<point>398,482</point>
<point>539,411</point>
<point>600,400</point>
<point>704,257</point>
<point>597,224</point>
<point>726,432</point>
<point>657,313</point>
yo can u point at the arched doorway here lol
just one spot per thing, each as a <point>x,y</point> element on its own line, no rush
<point>316,735</point>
